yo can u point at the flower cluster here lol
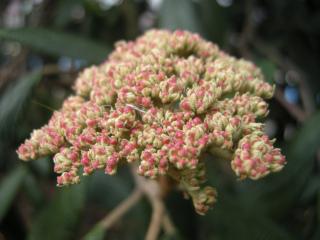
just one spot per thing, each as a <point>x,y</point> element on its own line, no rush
<point>161,102</point>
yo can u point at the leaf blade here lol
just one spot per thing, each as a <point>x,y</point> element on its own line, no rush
<point>13,100</point>
<point>57,43</point>
<point>9,188</point>
<point>58,219</point>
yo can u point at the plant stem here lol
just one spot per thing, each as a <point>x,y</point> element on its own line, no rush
<point>156,219</point>
<point>121,209</point>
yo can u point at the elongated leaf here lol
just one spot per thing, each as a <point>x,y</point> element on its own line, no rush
<point>57,43</point>
<point>179,14</point>
<point>58,219</point>
<point>9,187</point>
<point>12,102</point>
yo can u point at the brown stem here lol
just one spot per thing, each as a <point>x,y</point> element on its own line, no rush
<point>168,225</point>
<point>152,190</point>
<point>121,209</point>
<point>159,218</point>
<point>156,219</point>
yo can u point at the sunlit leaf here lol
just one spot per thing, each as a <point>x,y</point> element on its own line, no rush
<point>9,187</point>
<point>58,43</point>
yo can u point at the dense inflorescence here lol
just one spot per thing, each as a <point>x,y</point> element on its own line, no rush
<point>161,102</point>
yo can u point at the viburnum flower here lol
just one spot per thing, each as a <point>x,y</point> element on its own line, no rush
<point>161,102</point>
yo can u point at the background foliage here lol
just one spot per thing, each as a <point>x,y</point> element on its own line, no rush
<point>44,44</point>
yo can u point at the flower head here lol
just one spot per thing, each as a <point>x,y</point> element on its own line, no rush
<point>162,101</point>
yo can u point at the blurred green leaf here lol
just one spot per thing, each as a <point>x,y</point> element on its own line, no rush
<point>107,192</point>
<point>97,233</point>
<point>179,14</point>
<point>214,21</point>
<point>311,190</point>
<point>42,166</point>
<point>268,69</point>
<point>9,187</point>
<point>234,221</point>
<point>316,234</point>
<point>115,188</point>
<point>58,43</point>
<point>58,219</point>
<point>13,100</point>
<point>31,188</point>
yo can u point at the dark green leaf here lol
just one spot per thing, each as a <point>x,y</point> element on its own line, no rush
<point>234,221</point>
<point>311,190</point>
<point>42,166</point>
<point>9,187</point>
<point>268,68</point>
<point>58,219</point>
<point>31,188</point>
<point>175,236</point>
<point>115,188</point>
<point>214,21</point>
<point>107,192</point>
<point>13,100</point>
<point>57,43</point>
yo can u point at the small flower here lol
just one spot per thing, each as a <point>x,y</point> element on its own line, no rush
<point>256,157</point>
